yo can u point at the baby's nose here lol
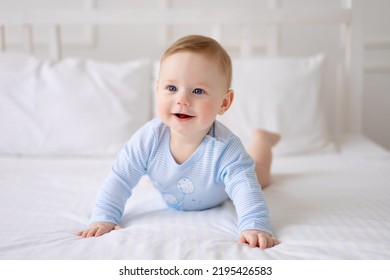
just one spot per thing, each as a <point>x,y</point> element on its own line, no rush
<point>183,98</point>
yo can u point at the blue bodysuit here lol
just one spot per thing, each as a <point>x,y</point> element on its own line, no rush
<point>219,169</point>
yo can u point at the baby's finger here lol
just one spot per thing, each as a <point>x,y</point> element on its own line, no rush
<point>270,242</point>
<point>275,240</point>
<point>252,240</point>
<point>100,231</point>
<point>86,233</point>
<point>91,232</point>
<point>263,241</point>
<point>242,239</point>
<point>83,233</point>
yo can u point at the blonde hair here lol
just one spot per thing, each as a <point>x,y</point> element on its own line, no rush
<point>203,45</point>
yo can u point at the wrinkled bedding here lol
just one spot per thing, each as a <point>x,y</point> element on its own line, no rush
<point>322,206</point>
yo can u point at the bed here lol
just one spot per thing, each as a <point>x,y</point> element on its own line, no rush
<point>332,207</point>
<point>63,119</point>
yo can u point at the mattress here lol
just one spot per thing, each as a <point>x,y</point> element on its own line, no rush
<point>322,206</point>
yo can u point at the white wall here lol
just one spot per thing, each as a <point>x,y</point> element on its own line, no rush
<point>376,98</point>
<point>375,24</point>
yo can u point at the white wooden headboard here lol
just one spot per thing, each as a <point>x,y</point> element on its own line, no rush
<point>344,101</point>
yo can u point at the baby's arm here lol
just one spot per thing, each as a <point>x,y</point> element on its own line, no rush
<point>257,238</point>
<point>242,186</point>
<point>127,169</point>
<point>98,229</point>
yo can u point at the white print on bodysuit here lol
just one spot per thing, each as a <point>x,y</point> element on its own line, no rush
<point>170,199</point>
<point>185,185</point>
<point>175,200</point>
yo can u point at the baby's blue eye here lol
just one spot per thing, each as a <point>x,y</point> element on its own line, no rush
<point>198,91</point>
<point>172,88</point>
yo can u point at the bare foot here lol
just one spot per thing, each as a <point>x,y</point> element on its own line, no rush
<point>260,150</point>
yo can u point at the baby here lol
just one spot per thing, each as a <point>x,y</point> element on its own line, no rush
<point>194,161</point>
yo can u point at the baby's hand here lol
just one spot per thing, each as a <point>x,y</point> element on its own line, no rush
<point>98,229</point>
<point>257,238</point>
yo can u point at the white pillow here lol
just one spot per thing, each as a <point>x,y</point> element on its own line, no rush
<point>280,95</point>
<point>73,107</point>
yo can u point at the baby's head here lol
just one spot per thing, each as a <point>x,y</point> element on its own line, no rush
<point>193,86</point>
<point>206,46</point>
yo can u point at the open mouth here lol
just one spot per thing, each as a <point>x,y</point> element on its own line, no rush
<point>183,116</point>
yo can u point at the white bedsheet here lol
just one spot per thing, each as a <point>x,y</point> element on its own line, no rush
<point>333,206</point>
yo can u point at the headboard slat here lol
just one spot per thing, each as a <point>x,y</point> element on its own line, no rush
<point>55,50</point>
<point>28,38</point>
<point>177,16</point>
<point>2,38</point>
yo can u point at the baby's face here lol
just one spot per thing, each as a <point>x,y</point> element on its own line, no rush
<point>191,91</point>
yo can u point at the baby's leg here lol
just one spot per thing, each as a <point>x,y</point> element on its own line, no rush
<point>260,150</point>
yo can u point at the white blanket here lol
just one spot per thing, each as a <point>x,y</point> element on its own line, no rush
<point>332,206</point>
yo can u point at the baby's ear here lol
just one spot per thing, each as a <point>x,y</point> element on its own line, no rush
<point>227,102</point>
<point>157,86</point>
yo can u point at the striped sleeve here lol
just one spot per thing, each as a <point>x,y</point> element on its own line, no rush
<point>239,177</point>
<point>129,166</point>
